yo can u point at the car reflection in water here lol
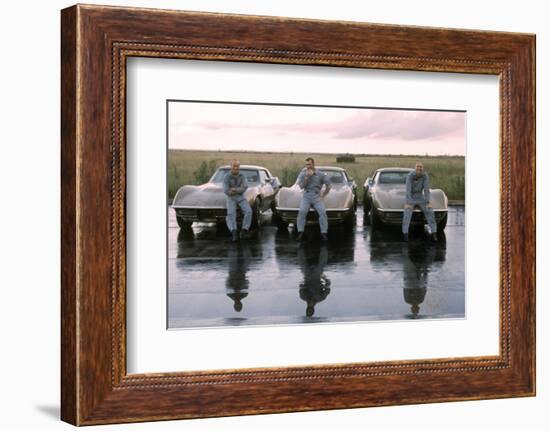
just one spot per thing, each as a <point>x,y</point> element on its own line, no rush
<point>362,275</point>
<point>314,259</point>
<point>202,245</point>
<point>418,257</point>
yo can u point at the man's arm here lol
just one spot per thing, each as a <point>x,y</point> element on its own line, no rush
<point>302,180</point>
<point>225,184</point>
<point>244,185</point>
<point>427,188</point>
<point>408,190</point>
<point>327,184</point>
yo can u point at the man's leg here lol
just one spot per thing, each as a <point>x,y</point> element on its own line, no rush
<point>321,210</point>
<point>407,215</point>
<point>302,214</point>
<point>430,217</point>
<point>247,214</point>
<point>231,218</point>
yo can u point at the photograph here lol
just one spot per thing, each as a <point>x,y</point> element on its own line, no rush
<point>286,214</point>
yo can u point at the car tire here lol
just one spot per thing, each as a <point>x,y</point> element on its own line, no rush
<point>349,222</point>
<point>366,203</point>
<point>366,218</point>
<point>256,213</point>
<point>183,224</point>
<point>366,209</point>
<point>374,218</point>
<point>442,224</point>
<point>278,221</point>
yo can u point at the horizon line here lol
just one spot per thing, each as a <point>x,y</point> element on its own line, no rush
<point>314,153</point>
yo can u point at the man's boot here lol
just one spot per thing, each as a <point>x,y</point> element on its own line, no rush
<point>234,236</point>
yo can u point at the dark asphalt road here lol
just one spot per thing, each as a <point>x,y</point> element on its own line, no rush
<point>272,279</point>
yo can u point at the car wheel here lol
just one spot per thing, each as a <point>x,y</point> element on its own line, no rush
<point>256,213</point>
<point>278,221</point>
<point>374,218</point>
<point>183,224</point>
<point>349,222</point>
<point>366,217</point>
<point>441,225</point>
<point>366,209</point>
<point>366,203</point>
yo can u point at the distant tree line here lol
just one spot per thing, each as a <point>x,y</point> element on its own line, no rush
<point>345,158</point>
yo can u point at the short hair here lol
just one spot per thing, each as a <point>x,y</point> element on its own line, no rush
<point>419,163</point>
<point>310,159</point>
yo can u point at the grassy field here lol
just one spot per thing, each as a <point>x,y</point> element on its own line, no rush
<point>196,167</point>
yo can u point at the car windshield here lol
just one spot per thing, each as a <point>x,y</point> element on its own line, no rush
<point>335,177</point>
<point>251,175</point>
<point>392,177</point>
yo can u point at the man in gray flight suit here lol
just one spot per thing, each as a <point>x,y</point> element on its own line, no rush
<point>311,181</point>
<point>234,187</point>
<point>418,195</point>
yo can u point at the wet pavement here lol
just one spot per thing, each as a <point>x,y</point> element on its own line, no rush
<point>362,275</point>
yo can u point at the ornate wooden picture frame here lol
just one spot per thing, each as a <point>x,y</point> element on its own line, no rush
<point>96,41</point>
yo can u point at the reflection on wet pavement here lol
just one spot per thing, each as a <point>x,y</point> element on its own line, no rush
<point>271,279</point>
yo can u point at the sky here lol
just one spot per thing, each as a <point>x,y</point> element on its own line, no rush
<point>234,127</point>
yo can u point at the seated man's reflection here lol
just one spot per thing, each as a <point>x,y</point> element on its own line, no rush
<point>418,260</point>
<point>236,284</point>
<point>315,287</point>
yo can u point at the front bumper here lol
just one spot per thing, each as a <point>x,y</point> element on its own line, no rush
<point>200,214</point>
<point>395,217</point>
<point>334,215</point>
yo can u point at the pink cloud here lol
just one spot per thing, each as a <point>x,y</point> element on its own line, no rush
<point>406,125</point>
<point>375,124</point>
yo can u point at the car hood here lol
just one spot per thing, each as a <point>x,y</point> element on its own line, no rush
<point>338,197</point>
<point>392,196</point>
<point>205,195</point>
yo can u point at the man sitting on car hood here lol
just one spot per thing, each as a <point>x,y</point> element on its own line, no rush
<point>234,187</point>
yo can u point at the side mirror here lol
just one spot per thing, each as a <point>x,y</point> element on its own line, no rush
<point>370,182</point>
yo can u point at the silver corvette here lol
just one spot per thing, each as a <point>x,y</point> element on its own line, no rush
<point>384,200</point>
<point>206,202</point>
<point>340,203</point>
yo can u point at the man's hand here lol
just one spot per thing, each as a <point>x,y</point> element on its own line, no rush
<point>429,205</point>
<point>309,173</point>
<point>408,206</point>
<point>232,191</point>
